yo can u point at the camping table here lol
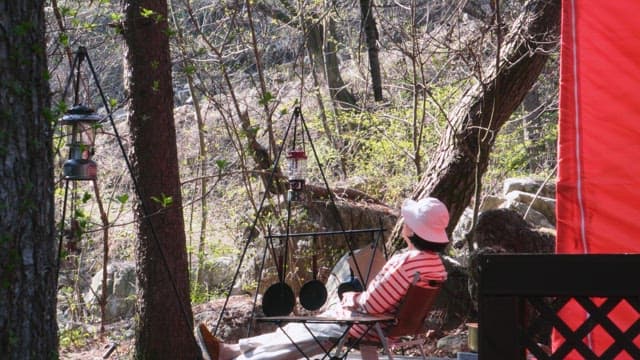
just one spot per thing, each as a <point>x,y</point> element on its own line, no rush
<point>363,319</point>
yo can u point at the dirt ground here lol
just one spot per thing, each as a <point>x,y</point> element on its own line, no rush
<point>97,348</point>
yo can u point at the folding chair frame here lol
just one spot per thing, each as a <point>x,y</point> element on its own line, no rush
<point>409,320</point>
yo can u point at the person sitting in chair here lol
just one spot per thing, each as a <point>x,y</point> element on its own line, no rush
<point>424,232</point>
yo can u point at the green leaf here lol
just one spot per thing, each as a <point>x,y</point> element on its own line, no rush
<point>146,12</point>
<point>163,200</point>
<point>222,164</point>
<point>189,69</point>
<point>61,107</point>
<point>268,96</point>
<point>252,131</point>
<point>116,17</point>
<point>68,12</point>
<point>89,26</point>
<point>122,199</point>
<point>63,39</point>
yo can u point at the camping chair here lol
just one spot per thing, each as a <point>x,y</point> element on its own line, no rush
<point>410,320</point>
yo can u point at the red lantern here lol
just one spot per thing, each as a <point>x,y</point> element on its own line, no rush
<point>296,169</point>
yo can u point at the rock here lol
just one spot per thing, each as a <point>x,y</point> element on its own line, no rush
<point>454,302</point>
<point>474,270</point>
<point>217,271</point>
<point>121,291</point>
<point>529,185</point>
<point>504,231</point>
<point>544,205</point>
<point>462,227</point>
<point>453,343</point>
<point>529,214</point>
<point>491,202</point>
<point>507,229</point>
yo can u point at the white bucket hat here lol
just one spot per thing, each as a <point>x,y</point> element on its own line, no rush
<point>427,218</point>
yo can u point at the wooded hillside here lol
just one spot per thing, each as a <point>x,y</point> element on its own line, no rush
<point>402,99</point>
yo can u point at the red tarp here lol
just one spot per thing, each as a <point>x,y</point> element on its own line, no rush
<point>598,189</point>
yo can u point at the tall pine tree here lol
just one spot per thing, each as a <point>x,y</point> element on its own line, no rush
<point>164,329</point>
<point>28,328</point>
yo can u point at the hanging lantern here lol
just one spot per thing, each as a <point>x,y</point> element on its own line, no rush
<point>296,169</point>
<point>81,122</point>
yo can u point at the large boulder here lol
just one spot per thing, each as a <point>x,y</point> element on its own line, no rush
<point>528,185</point>
<point>463,227</point>
<point>507,229</point>
<point>544,205</point>
<point>530,214</point>
<point>491,202</point>
<point>217,272</point>
<point>121,292</point>
<point>504,231</point>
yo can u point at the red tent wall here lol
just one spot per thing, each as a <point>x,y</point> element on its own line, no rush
<point>598,189</point>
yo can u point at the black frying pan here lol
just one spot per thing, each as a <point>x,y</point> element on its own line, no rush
<point>313,293</point>
<point>279,298</point>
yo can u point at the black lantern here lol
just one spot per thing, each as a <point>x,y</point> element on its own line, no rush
<point>296,169</point>
<point>81,122</point>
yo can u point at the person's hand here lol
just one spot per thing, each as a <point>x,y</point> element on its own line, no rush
<point>347,286</point>
<point>348,300</point>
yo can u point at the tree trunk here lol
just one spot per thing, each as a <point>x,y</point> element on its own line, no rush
<point>338,90</point>
<point>165,322</point>
<point>463,153</point>
<point>28,328</point>
<point>371,37</point>
<point>323,50</point>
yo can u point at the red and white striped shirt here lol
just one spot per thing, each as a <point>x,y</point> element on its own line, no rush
<point>388,288</point>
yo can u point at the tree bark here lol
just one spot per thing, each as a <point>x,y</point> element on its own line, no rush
<point>463,153</point>
<point>371,37</point>
<point>28,327</point>
<point>164,329</point>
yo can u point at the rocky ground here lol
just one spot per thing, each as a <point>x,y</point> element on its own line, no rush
<point>117,341</point>
<point>104,348</point>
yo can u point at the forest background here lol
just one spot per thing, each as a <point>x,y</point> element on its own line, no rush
<point>380,84</point>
